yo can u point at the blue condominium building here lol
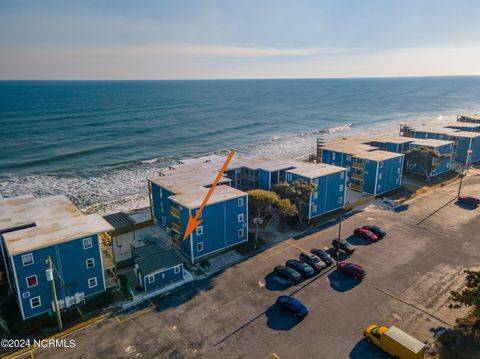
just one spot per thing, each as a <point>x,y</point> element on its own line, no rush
<point>180,190</point>
<point>33,229</point>
<point>466,144</point>
<point>368,168</point>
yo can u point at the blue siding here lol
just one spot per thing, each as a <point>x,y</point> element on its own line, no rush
<point>264,179</point>
<point>163,278</point>
<point>369,176</point>
<point>69,258</point>
<point>220,228</point>
<point>160,196</point>
<point>443,165</point>
<point>329,194</point>
<point>462,145</point>
<point>389,174</point>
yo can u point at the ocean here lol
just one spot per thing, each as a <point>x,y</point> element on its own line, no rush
<point>97,141</point>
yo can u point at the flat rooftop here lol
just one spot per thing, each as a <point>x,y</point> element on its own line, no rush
<point>430,142</point>
<point>358,147</point>
<point>57,220</point>
<point>316,170</point>
<point>194,197</point>
<point>446,131</point>
<point>474,116</point>
<point>460,124</point>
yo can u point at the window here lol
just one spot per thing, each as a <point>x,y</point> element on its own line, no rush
<point>380,164</point>
<point>410,166</point>
<point>348,168</point>
<point>289,176</point>
<point>342,175</point>
<point>32,281</point>
<point>199,230</point>
<point>200,247</point>
<point>398,171</point>
<point>160,192</point>
<point>240,233</point>
<point>380,176</point>
<point>161,207</point>
<point>151,279</point>
<point>240,218</point>
<point>92,282</point>
<point>87,243</point>
<point>200,214</point>
<point>448,164</point>
<point>340,200</point>
<point>314,208</point>
<point>340,188</point>
<point>27,259</point>
<point>35,302</point>
<point>240,202</point>
<point>349,158</point>
<point>398,180</point>
<point>333,155</point>
<point>90,262</point>
<point>26,295</point>
<point>176,269</point>
<point>315,195</point>
<point>315,181</point>
<point>379,187</point>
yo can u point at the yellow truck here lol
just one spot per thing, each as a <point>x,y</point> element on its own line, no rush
<point>395,342</point>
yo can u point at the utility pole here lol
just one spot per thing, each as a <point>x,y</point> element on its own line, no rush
<point>463,171</point>
<point>338,239</point>
<point>51,278</point>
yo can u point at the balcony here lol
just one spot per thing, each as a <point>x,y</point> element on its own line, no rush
<point>358,165</point>
<point>176,227</point>
<point>357,176</point>
<point>174,212</point>
<point>356,187</point>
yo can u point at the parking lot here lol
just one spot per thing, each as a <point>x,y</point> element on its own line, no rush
<point>232,315</point>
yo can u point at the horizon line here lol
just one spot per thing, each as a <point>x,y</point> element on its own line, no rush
<point>248,78</point>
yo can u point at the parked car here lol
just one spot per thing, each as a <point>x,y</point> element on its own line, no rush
<point>323,255</point>
<point>352,270</point>
<point>293,305</point>
<point>288,273</point>
<point>376,230</point>
<point>301,267</point>
<point>473,200</point>
<point>343,246</point>
<point>365,234</point>
<point>313,261</point>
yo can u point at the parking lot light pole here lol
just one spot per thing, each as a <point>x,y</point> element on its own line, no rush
<point>338,240</point>
<point>469,152</point>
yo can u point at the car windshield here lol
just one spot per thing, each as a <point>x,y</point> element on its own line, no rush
<point>315,259</point>
<point>368,233</point>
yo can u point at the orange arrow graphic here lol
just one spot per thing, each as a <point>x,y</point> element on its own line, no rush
<point>194,222</point>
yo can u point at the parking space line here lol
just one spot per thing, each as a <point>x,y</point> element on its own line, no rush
<point>273,251</point>
<point>294,246</point>
<point>414,306</point>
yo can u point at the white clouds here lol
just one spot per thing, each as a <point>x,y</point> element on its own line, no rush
<point>199,61</point>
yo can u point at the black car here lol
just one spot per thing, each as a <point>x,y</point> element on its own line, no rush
<point>288,273</point>
<point>343,246</point>
<point>376,230</point>
<point>313,261</point>
<point>323,255</point>
<point>301,267</point>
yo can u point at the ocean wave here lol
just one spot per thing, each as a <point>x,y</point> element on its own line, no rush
<point>125,189</point>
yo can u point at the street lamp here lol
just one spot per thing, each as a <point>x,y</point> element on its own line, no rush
<point>469,152</point>
<point>338,240</point>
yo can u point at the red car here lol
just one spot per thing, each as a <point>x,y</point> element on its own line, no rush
<point>469,200</point>
<point>352,270</point>
<point>365,234</point>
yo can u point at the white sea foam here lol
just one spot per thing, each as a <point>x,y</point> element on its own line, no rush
<point>126,189</point>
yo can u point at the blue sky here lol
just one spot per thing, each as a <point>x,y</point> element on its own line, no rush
<point>237,39</point>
